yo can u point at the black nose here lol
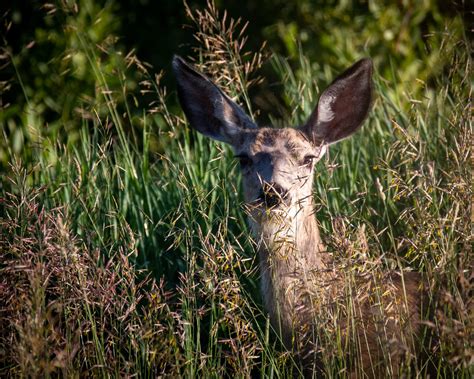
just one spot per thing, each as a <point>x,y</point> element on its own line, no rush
<point>272,194</point>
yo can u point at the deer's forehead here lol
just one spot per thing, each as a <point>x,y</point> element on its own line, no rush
<point>284,141</point>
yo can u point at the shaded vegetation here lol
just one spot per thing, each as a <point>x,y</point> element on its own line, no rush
<point>123,247</point>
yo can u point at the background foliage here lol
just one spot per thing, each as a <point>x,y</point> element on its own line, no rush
<point>120,227</point>
<point>46,71</point>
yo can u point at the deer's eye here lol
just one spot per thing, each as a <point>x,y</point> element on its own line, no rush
<point>309,159</point>
<point>244,160</point>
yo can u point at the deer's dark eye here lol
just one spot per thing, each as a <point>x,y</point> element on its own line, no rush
<point>244,160</point>
<point>309,159</point>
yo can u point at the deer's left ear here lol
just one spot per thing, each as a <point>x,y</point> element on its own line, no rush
<point>343,106</point>
<point>209,110</point>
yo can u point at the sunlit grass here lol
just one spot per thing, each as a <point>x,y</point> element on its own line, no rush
<point>117,261</point>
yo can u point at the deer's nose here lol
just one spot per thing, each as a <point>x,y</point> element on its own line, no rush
<point>273,194</point>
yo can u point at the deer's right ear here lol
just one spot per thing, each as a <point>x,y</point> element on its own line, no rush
<point>209,110</point>
<point>343,106</point>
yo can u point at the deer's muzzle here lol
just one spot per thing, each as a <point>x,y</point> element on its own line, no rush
<point>273,195</point>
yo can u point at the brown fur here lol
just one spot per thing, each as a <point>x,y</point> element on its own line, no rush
<point>300,282</point>
<point>372,317</point>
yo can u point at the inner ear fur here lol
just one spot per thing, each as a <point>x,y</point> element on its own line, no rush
<point>343,106</point>
<point>208,109</point>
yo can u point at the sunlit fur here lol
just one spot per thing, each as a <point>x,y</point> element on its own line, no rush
<point>370,317</point>
<point>299,281</point>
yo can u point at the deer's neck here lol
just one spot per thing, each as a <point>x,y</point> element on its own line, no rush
<point>293,265</point>
<point>290,240</point>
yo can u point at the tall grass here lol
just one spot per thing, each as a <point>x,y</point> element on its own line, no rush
<point>117,261</point>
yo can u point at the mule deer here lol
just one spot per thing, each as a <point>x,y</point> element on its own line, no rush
<point>299,280</point>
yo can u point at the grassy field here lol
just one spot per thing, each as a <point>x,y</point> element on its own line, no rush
<point>126,253</point>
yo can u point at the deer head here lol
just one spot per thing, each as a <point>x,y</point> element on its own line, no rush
<point>277,164</point>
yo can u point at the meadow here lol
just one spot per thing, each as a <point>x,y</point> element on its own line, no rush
<point>124,247</point>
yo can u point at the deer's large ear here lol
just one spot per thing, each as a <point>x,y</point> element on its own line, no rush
<point>208,109</point>
<point>343,106</point>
